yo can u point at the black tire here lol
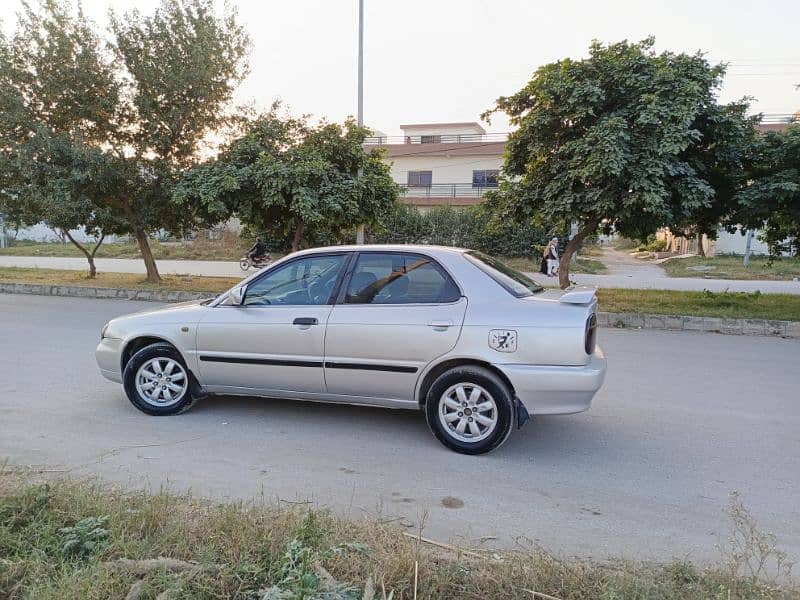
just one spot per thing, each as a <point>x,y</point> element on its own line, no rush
<point>471,375</point>
<point>244,264</point>
<point>158,351</point>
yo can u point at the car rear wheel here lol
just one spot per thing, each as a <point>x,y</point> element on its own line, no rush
<point>157,381</point>
<point>470,410</point>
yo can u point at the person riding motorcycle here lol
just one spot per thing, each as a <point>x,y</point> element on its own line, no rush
<point>257,251</point>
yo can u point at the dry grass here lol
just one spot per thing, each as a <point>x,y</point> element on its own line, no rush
<point>708,304</point>
<point>189,283</point>
<point>255,551</point>
<point>229,247</point>
<point>731,267</point>
<point>580,265</point>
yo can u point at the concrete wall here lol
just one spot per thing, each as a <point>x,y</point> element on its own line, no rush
<point>452,169</point>
<point>42,233</point>
<point>734,243</point>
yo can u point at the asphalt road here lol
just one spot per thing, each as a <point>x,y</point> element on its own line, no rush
<point>683,420</point>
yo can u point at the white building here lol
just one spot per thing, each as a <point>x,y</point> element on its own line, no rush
<point>443,163</point>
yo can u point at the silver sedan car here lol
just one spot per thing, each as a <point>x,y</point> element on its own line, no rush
<point>476,345</point>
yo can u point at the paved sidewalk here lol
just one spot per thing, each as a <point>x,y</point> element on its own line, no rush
<point>623,272</point>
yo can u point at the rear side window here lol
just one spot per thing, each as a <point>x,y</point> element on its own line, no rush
<point>397,278</point>
<point>512,280</point>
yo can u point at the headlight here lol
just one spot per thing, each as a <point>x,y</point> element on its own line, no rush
<point>103,331</point>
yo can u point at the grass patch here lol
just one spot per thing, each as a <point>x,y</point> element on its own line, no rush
<point>731,267</point>
<point>730,305</point>
<point>260,552</point>
<point>581,265</point>
<point>190,283</point>
<point>229,248</point>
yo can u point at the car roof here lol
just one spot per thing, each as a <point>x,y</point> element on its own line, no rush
<point>423,248</point>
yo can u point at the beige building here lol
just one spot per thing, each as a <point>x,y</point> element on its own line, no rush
<point>443,163</point>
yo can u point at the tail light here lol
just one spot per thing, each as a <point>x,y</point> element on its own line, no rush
<point>591,334</point>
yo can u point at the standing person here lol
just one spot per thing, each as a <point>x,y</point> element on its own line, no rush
<point>552,257</point>
<point>543,265</point>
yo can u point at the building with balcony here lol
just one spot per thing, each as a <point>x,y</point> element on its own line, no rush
<point>439,164</point>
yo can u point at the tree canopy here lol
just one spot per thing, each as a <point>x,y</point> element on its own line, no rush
<point>285,177</point>
<point>616,139</point>
<point>772,199</point>
<point>133,109</point>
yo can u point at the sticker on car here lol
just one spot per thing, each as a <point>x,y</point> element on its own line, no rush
<point>503,340</point>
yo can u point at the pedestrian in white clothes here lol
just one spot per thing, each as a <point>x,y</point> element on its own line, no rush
<point>552,257</point>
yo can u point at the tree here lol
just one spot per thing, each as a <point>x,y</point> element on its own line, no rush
<point>604,141</point>
<point>57,99</point>
<point>146,105</point>
<point>288,178</point>
<point>772,200</point>
<point>720,156</point>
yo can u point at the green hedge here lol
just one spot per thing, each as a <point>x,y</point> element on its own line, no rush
<point>442,225</point>
<point>467,228</point>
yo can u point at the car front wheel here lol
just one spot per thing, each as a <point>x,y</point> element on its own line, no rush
<point>470,410</point>
<point>157,381</point>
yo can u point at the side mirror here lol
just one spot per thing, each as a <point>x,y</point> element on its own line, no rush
<point>236,295</point>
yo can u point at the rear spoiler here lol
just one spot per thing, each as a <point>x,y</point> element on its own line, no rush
<point>578,294</point>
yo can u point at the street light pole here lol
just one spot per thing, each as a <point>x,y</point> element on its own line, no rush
<point>360,62</point>
<point>360,115</point>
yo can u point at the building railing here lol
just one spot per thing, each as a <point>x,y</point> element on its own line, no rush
<point>771,119</point>
<point>445,190</point>
<point>444,138</point>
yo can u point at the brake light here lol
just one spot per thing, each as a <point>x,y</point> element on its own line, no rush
<point>591,334</point>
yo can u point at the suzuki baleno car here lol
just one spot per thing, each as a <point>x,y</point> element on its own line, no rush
<point>471,342</point>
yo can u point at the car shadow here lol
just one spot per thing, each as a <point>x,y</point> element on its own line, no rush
<point>548,438</point>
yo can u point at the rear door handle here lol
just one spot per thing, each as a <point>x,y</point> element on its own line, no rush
<point>305,321</point>
<point>440,325</point>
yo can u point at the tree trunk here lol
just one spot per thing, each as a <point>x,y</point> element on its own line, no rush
<point>147,255</point>
<point>572,246</point>
<point>700,250</point>
<point>298,234</point>
<point>143,243</point>
<point>89,255</point>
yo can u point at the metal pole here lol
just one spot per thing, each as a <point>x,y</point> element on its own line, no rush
<point>360,115</point>
<point>746,260</point>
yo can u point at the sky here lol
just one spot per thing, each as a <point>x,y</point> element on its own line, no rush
<point>448,60</point>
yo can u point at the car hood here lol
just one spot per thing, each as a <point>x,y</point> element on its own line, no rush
<point>183,312</point>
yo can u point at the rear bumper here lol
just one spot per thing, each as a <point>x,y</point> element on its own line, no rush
<point>108,358</point>
<point>556,390</point>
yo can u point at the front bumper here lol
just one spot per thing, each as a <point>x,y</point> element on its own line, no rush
<point>557,390</point>
<point>108,356</point>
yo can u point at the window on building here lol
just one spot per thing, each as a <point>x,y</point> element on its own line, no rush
<point>430,139</point>
<point>486,178</point>
<point>420,178</point>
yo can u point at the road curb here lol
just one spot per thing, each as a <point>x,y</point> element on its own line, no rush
<point>79,291</point>
<point>764,327</point>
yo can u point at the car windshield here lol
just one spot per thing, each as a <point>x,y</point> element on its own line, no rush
<point>512,280</point>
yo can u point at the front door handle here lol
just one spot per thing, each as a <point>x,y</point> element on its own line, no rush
<point>305,321</point>
<point>440,325</point>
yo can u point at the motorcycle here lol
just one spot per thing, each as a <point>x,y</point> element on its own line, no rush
<point>262,261</point>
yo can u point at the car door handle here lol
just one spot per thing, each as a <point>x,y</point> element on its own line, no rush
<point>305,321</point>
<point>440,325</point>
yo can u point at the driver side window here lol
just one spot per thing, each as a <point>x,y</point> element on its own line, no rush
<point>303,282</point>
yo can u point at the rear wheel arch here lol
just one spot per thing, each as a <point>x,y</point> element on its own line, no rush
<point>444,366</point>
